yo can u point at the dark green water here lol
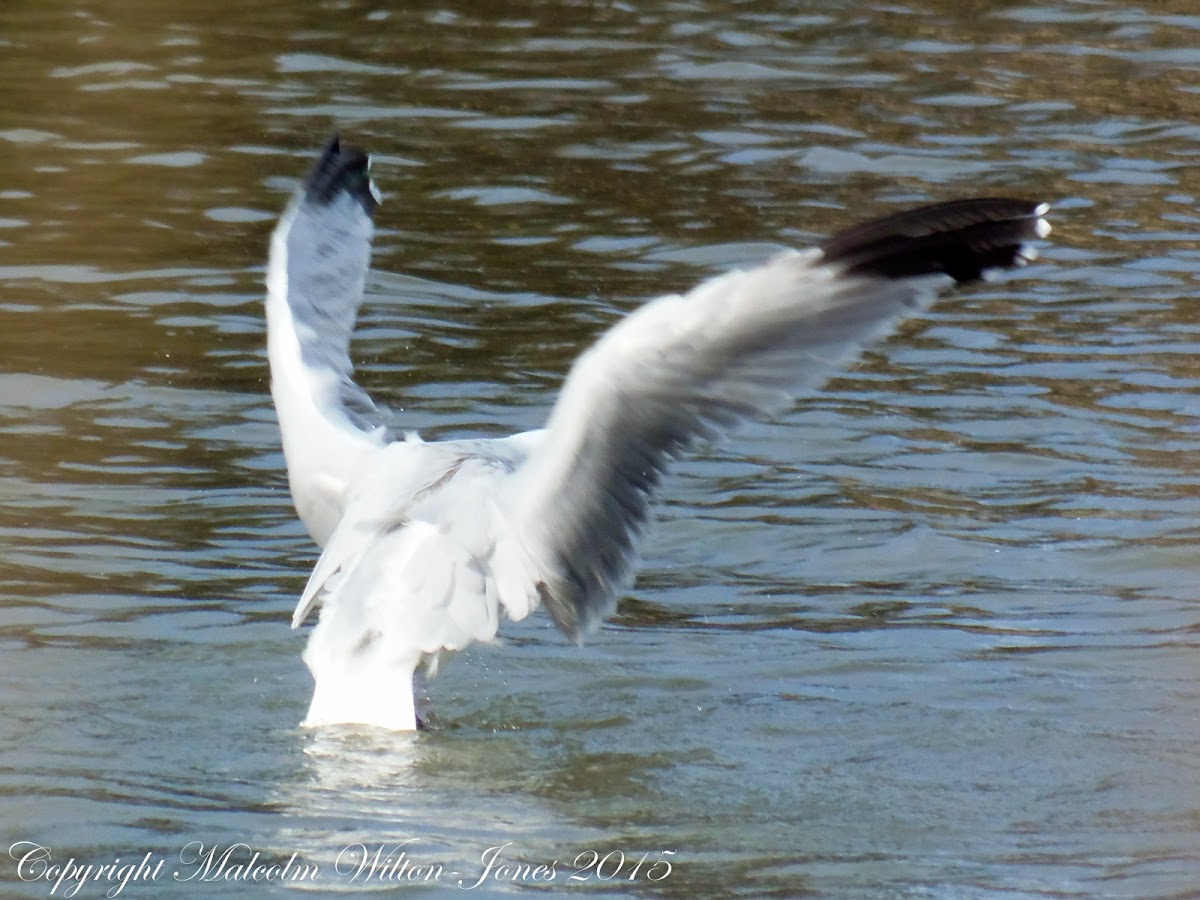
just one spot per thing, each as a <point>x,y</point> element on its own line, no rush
<point>933,634</point>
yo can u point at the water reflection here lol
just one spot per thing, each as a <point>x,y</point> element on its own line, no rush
<point>361,810</point>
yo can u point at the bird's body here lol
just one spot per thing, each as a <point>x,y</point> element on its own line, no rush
<point>426,546</point>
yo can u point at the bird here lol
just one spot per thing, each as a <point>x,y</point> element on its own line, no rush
<point>427,545</point>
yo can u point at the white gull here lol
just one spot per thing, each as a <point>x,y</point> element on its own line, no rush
<point>427,545</point>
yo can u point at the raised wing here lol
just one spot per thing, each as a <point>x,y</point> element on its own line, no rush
<point>688,368</point>
<point>320,254</point>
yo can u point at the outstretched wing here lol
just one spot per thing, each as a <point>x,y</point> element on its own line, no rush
<point>320,254</point>
<point>688,368</point>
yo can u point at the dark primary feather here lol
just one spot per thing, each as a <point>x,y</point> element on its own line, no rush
<point>962,239</point>
<point>341,169</point>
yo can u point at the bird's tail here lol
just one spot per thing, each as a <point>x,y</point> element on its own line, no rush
<point>369,686</point>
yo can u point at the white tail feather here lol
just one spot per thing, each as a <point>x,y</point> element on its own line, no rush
<point>371,687</point>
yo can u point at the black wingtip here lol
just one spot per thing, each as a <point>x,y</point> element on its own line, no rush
<point>962,239</point>
<point>341,168</point>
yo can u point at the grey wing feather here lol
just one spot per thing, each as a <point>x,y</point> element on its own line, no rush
<point>328,241</point>
<point>688,368</point>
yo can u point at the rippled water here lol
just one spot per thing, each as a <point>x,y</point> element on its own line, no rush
<point>933,634</point>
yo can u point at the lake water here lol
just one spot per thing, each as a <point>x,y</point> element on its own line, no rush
<point>932,634</point>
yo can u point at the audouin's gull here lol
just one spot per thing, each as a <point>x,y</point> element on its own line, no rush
<point>426,545</point>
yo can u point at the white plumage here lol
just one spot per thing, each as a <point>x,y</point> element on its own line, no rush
<point>428,545</point>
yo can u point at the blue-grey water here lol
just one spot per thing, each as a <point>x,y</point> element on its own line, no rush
<point>933,634</point>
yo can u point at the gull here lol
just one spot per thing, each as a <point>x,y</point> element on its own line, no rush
<point>426,546</point>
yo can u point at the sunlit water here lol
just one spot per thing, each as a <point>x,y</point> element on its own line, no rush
<point>933,634</point>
